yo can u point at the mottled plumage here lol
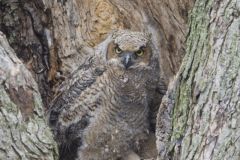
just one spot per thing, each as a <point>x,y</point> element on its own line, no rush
<point>103,112</point>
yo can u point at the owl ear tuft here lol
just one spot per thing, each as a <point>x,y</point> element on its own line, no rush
<point>115,33</point>
<point>148,35</point>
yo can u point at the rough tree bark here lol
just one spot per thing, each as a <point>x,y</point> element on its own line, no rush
<point>48,36</point>
<point>202,106</point>
<point>23,131</point>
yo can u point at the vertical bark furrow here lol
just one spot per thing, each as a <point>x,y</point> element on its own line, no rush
<point>27,27</point>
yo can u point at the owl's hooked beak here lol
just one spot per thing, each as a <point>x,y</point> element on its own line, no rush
<point>127,59</point>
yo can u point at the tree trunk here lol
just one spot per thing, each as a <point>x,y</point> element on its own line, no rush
<point>23,131</point>
<point>199,117</point>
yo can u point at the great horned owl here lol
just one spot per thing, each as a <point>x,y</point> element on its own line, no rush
<point>103,111</point>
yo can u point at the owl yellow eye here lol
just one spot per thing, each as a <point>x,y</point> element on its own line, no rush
<point>139,52</point>
<point>118,50</point>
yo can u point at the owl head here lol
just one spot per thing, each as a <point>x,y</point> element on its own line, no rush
<point>129,50</point>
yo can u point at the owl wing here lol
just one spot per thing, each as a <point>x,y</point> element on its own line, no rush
<point>70,89</point>
<point>156,89</point>
<point>68,136</point>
